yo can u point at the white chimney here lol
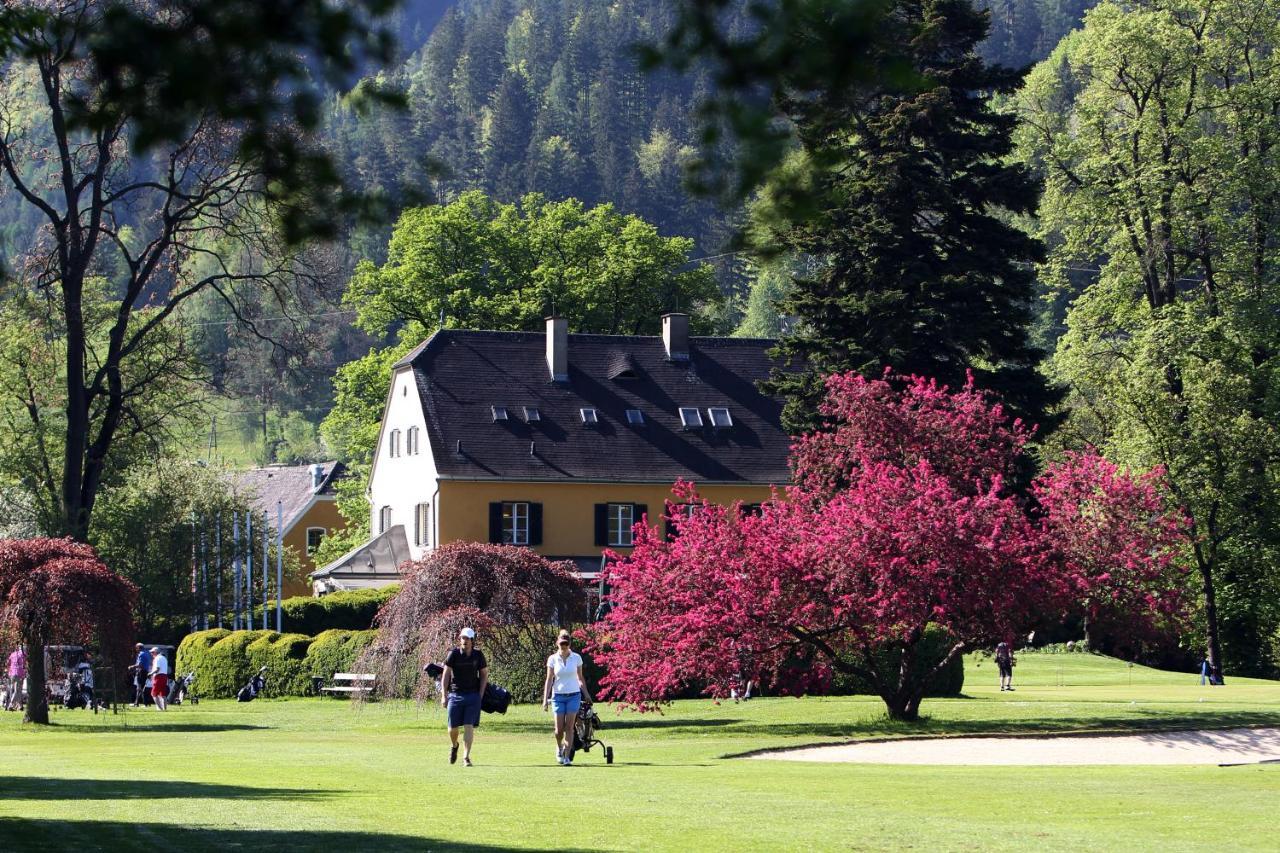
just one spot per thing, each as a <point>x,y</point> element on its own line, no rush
<point>558,348</point>
<point>317,476</point>
<point>675,336</point>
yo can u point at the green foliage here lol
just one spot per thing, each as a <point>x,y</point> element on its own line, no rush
<point>488,265</point>
<point>218,658</point>
<point>225,660</point>
<point>337,650</point>
<point>143,528</point>
<point>1170,350</point>
<point>929,652</point>
<point>285,657</point>
<point>352,610</point>
<point>918,268</point>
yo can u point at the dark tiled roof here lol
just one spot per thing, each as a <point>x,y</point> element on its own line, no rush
<point>288,484</point>
<point>462,374</point>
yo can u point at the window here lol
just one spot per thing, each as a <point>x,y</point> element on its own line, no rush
<point>411,442</point>
<point>515,524</point>
<point>690,418</point>
<point>720,418</point>
<point>394,444</point>
<point>421,524</point>
<point>314,535</point>
<point>621,520</point>
<point>531,414</point>
<point>590,416</point>
<point>500,413</point>
<point>679,513</point>
<point>384,519</point>
<point>635,416</point>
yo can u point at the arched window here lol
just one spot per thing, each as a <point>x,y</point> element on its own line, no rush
<point>314,535</point>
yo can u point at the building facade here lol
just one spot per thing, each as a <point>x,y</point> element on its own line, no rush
<point>562,442</point>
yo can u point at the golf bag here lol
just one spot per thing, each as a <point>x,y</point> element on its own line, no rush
<point>180,689</point>
<point>496,698</point>
<point>75,694</point>
<point>255,686</point>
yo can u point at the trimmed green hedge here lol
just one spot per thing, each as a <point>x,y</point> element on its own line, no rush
<point>352,611</point>
<point>934,645</point>
<point>223,661</point>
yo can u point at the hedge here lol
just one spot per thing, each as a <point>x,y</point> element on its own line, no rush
<point>352,611</point>
<point>935,643</point>
<point>223,661</point>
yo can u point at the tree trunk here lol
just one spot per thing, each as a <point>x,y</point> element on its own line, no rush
<point>1211,620</point>
<point>37,707</point>
<point>904,707</point>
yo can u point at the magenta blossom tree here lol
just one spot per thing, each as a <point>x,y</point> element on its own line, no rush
<point>899,519</point>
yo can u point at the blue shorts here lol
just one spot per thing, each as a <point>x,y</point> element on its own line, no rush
<point>464,709</point>
<point>567,703</point>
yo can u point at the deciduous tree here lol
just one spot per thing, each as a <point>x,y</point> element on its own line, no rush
<point>58,591</point>
<point>910,524</point>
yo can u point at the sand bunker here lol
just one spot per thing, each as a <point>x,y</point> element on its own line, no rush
<point>1222,746</point>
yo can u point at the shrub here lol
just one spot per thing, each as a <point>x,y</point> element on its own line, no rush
<point>931,648</point>
<point>194,655</point>
<point>336,650</point>
<point>220,660</point>
<point>284,656</point>
<point>353,611</point>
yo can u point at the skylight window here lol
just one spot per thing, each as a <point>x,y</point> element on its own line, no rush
<point>720,418</point>
<point>590,416</point>
<point>635,416</point>
<point>531,414</point>
<point>690,418</point>
<point>500,413</point>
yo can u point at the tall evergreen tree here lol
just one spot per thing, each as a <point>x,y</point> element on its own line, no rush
<point>918,268</point>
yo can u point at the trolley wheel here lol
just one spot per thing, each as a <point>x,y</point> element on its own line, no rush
<point>608,755</point>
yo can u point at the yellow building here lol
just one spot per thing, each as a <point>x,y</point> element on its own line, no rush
<point>303,497</point>
<point>561,442</point>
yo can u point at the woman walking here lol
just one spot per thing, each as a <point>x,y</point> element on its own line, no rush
<point>565,686</point>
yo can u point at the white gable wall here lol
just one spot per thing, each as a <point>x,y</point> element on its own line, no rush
<point>404,481</point>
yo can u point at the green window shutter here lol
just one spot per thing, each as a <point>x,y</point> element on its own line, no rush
<point>535,524</point>
<point>495,522</point>
<point>602,525</point>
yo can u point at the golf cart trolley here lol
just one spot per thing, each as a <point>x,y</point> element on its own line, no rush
<point>584,731</point>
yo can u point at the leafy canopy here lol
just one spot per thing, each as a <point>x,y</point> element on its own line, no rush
<point>910,525</point>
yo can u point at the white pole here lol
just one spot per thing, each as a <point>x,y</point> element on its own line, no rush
<point>266,567</point>
<point>279,563</point>
<point>235,571</point>
<point>248,583</point>
<point>217,563</point>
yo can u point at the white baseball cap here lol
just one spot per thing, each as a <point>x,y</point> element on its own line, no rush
<point>468,633</point>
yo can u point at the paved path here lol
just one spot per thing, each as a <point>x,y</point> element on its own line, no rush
<point>1221,746</point>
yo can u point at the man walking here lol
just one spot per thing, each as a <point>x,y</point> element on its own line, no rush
<point>466,674</point>
<point>141,668</point>
<point>159,678</point>
<point>17,670</point>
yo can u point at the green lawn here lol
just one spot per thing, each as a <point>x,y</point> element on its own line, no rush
<point>325,774</point>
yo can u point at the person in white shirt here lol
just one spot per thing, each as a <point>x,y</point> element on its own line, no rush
<point>565,687</point>
<point>159,679</point>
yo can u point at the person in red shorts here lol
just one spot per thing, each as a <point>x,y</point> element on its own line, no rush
<point>159,678</point>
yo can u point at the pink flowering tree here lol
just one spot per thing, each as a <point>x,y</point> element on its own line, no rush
<point>899,519</point>
<point>1119,542</point>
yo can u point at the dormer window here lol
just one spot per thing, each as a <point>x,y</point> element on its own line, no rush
<point>532,415</point>
<point>720,418</point>
<point>635,417</point>
<point>690,418</point>
<point>590,416</point>
<point>499,413</point>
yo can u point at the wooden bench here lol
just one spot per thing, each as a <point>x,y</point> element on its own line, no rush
<point>351,682</point>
